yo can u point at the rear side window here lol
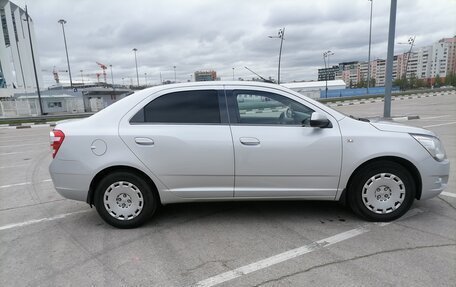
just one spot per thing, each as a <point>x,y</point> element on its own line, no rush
<point>189,107</point>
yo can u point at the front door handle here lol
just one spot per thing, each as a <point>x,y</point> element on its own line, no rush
<point>249,141</point>
<point>144,141</point>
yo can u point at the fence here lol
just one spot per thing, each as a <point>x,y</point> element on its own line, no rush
<point>30,107</point>
<point>355,92</point>
<point>18,108</point>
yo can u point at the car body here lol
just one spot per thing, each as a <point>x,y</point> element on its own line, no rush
<point>218,141</point>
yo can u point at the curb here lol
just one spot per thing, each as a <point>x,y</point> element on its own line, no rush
<point>26,125</point>
<point>405,118</point>
<point>351,102</point>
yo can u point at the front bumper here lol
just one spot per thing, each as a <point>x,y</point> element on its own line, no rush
<point>434,177</point>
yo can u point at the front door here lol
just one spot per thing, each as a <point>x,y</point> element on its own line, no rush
<point>277,153</point>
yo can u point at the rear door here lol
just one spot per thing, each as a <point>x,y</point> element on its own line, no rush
<point>277,153</point>
<point>183,137</point>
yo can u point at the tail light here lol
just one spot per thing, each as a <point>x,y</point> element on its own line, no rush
<point>56,138</point>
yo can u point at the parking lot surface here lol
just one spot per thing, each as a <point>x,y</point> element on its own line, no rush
<point>46,240</point>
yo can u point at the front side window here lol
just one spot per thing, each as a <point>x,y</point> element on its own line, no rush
<point>188,107</point>
<point>265,108</point>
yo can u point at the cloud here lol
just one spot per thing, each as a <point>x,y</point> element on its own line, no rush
<point>220,35</point>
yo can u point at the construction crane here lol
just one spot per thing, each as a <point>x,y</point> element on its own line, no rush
<point>55,72</point>
<point>103,67</point>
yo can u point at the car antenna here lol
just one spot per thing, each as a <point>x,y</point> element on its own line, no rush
<point>264,80</point>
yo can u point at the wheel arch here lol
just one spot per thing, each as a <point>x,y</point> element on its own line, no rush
<point>121,168</point>
<point>405,163</point>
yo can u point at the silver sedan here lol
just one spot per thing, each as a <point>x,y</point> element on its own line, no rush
<point>224,141</point>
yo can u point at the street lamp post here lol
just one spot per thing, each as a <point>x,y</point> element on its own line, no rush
<point>233,73</point>
<point>112,77</point>
<point>369,54</point>
<point>112,82</point>
<point>145,79</point>
<point>326,55</point>
<point>136,64</point>
<point>63,22</point>
<point>411,42</point>
<point>389,60</point>
<point>82,77</point>
<point>33,60</point>
<point>280,36</point>
<point>174,67</point>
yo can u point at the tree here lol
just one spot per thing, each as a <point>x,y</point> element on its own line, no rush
<point>437,81</point>
<point>450,79</point>
<point>420,83</point>
<point>372,82</point>
<point>361,84</point>
<point>398,83</point>
<point>412,82</point>
<point>401,82</point>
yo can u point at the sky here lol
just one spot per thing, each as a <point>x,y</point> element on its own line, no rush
<point>221,35</point>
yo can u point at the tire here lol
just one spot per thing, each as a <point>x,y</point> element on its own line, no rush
<point>125,200</point>
<point>381,191</point>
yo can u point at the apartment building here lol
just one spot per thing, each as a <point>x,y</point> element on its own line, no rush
<point>424,63</point>
<point>443,57</point>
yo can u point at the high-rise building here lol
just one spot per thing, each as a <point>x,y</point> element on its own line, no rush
<point>443,53</point>
<point>349,73</point>
<point>423,63</point>
<point>451,42</point>
<point>399,65</point>
<point>380,72</point>
<point>16,66</point>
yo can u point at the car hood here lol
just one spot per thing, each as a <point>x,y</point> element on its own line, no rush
<point>399,128</point>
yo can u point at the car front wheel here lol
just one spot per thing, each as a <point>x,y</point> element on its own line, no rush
<point>125,200</point>
<point>382,191</point>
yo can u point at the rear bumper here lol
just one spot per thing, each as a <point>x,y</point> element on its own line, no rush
<point>434,177</point>
<point>70,179</point>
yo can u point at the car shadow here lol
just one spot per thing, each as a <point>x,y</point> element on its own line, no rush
<point>321,212</point>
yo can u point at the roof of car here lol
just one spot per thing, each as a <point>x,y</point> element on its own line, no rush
<point>127,103</point>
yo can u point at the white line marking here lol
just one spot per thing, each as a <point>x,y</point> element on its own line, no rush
<point>448,194</point>
<point>244,270</point>
<point>10,138</point>
<point>33,221</point>
<point>22,183</point>
<point>438,125</point>
<point>23,144</point>
<point>287,255</point>
<point>11,166</point>
<point>17,140</point>
<point>7,153</point>
<point>15,184</point>
<point>437,117</point>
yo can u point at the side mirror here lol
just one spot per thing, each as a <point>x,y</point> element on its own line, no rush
<point>318,120</point>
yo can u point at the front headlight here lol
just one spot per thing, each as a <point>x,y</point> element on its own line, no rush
<point>432,145</point>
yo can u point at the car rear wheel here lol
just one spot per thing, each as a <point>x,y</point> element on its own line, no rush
<point>381,191</point>
<point>125,200</point>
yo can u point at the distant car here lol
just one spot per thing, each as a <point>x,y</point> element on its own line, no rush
<point>227,141</point>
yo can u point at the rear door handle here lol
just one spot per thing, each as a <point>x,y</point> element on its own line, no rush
<point>144,141</point>
<point>249,141</point>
